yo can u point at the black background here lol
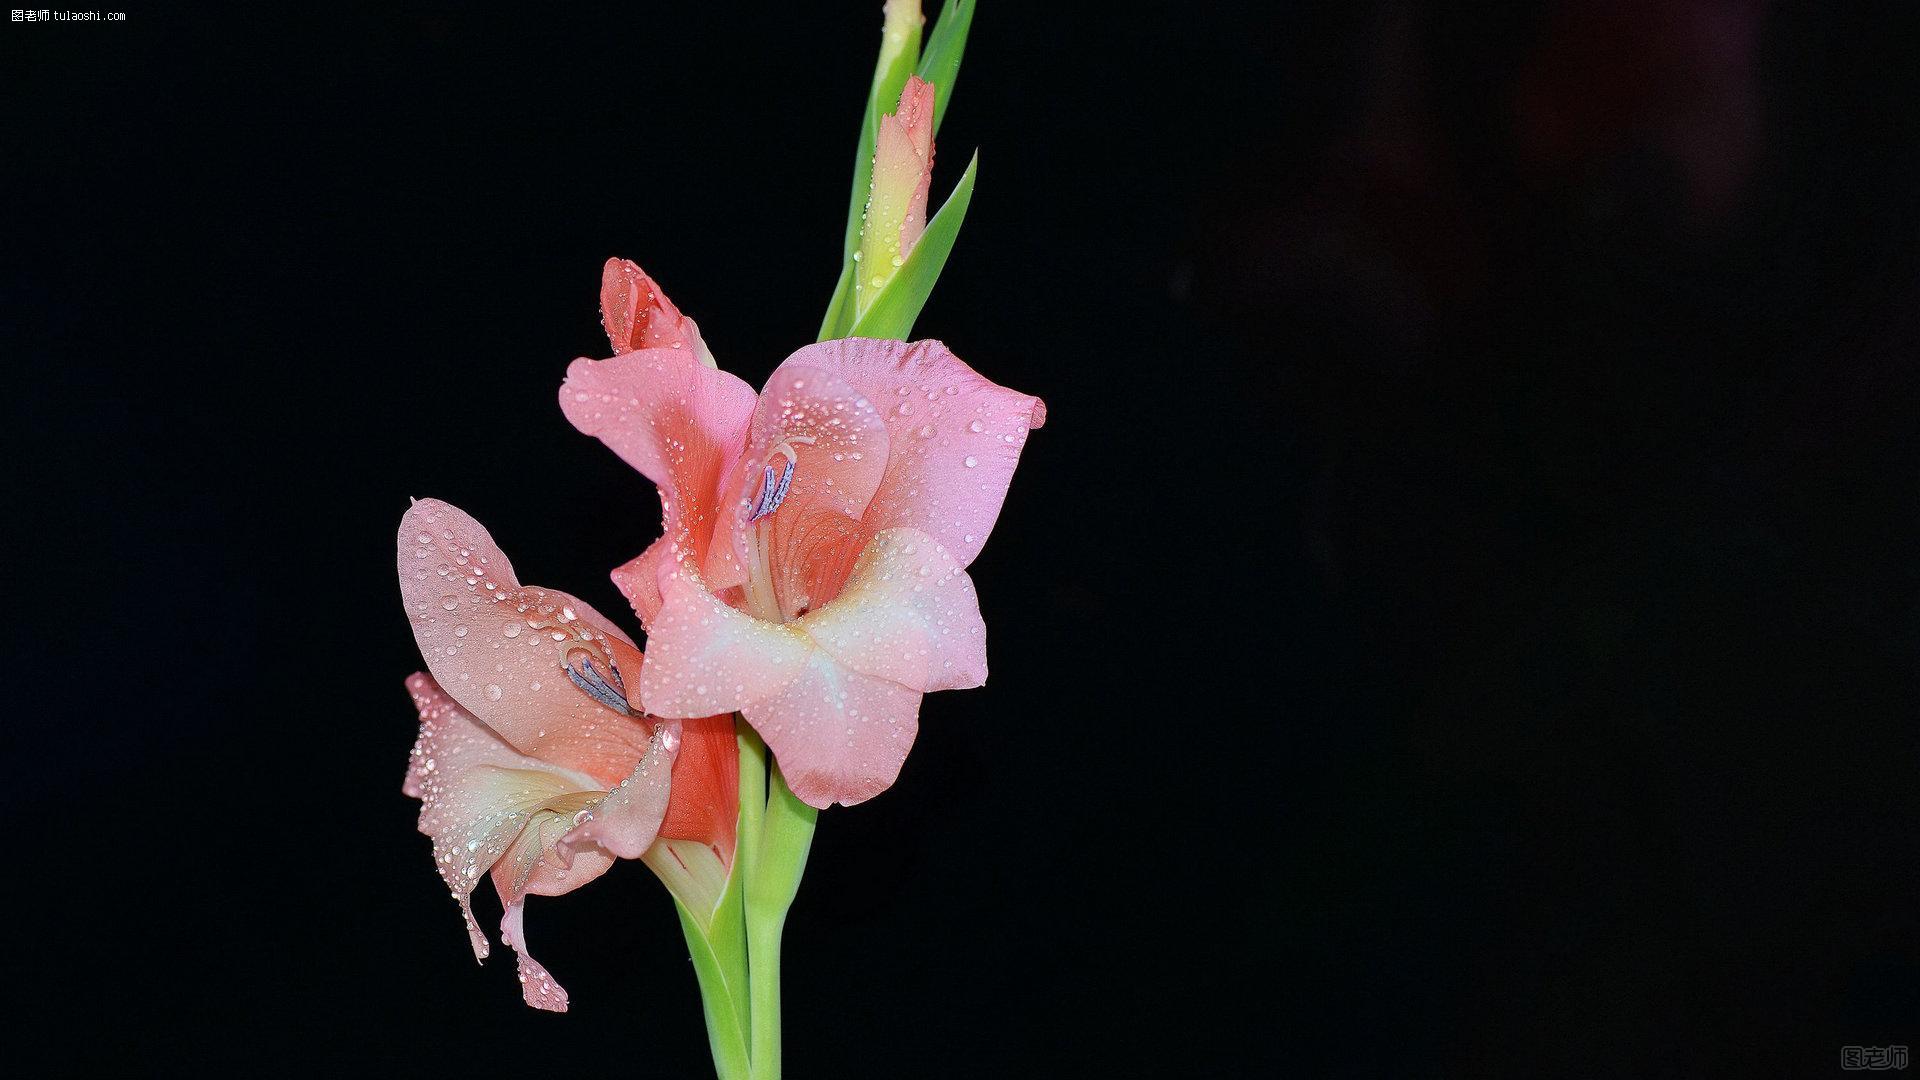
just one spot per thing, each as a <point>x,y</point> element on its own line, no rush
<point>1460,615</point>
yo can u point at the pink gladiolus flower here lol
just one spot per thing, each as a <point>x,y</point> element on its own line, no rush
<point>532,762</point>
<point>812,572</point>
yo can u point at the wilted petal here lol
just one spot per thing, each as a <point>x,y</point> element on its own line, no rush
<point>840,736</point>
<point>638,315</point>
<point>953,437</point>
<point>500,649</point>
<point>909,614</point>
<point>707,658</point>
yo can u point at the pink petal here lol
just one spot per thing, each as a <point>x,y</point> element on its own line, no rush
<point>908,136</point>
<point>500,648</point>
<point>540,863</point>
<point>536,986</point>
<point>838,444</point>
<point>705,805</point>
<point>707,658</point>
<point>625,823</point>
<point>477,794</point>
<point>838,735</point>
<point>638,579</point>
<point>811,555</point>
<point>639,316</point>
<point>909,614</point>
<point>694,854</point>
<point>680,424</point>
<point>953,436</point>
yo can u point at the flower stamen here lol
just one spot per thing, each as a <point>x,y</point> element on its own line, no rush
<point>596,686</point>
<point>772,492</point>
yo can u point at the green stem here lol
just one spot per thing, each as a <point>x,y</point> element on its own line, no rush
<point>719,950</point>
<point>786,835</point>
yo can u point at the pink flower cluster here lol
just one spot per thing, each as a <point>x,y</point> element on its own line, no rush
<point>811,577</point>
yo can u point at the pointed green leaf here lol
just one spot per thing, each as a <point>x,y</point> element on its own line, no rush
<point>721,998</point>
<point>940,61</point>
<point>898,305</point>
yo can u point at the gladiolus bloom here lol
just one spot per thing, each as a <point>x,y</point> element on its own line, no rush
<point>812,572</point>
<point>532,762</point>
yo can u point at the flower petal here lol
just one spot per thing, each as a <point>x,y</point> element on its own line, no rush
<point>706,658</point>
<point>540,864</point>
<point>837,435</point>
<point>694,854</point>
<point>812,554</point>
<point>477,794</point>
<point>638,315</point>
<point>909,614</point>
<point>500,649</point>
<point>693,872</point>
<point>839,736</point>
<point>638,579</point>
<point>705,802</point>
<point>536,986</point>
<point>680,424</point>
<point>625,823</point>
<point>953,436</point>
<point>837,444</point>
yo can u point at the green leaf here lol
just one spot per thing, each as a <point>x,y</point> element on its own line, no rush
<point>898,305</point>
<point>726,1029</point>
<point>940,61</point>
